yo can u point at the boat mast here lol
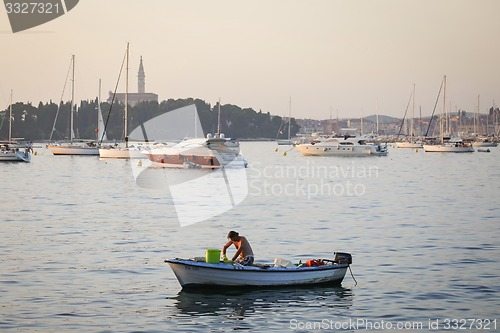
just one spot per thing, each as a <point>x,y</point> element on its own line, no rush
<point>125,113</point>
<point>487,122</point>
<point>289,117</point>
<point>478,114</point>
<point>412,130</point>
<point>361,133</point>
<point>443,110</point>
<point>10,117</point>
<point>98,112</point>
<point>474,118</point>
<point>338,125</point>
<point>376,112</point>
<point>218,121</point>
<point>420,131</point>
<point>72,133</point>
<point>99,117</point>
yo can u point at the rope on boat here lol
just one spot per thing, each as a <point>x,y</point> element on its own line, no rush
<point>353,275</point>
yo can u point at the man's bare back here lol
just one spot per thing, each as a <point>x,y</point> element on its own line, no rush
<point>244,250</point>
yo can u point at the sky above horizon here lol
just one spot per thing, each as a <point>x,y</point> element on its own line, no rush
<point>351,58</point>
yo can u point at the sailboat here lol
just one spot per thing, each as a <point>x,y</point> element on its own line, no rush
<point>73,147</point>
<point>452,146</point>
<point>287,141</point>
<point>127,151</point>
<point>482,141</point>
<point>411,143</point>
<point>11,150</point>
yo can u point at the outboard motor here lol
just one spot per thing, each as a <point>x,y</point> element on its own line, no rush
<point>342,258</point>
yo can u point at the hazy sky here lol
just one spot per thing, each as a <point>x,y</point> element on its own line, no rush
<point>324,54</point>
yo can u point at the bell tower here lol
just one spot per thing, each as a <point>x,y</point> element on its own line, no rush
<point>141,79</point>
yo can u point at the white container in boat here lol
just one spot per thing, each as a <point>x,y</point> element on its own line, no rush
<point>279,262</point>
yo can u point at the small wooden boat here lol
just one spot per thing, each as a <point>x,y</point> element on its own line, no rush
<point>192,273</point>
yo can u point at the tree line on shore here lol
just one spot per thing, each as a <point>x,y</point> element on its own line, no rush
<point>50,121</point>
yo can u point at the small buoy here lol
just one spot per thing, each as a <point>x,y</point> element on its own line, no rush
<point>416,150</point>
<point>284,153</point>
<point>276,150</point>
<point>139,163</point>
<point>35,153</point>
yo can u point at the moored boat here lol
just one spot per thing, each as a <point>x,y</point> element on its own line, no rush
<point>484,143</point>
<point>209,152</point>
<point>192,273</point>
<point>408,144</point>
<point>449,147</point>
<point>123,152</point>
<point>13,150</point>
<point>89,148</point>
<point>356,146</point>
<point>73,147</point>
<point>454,145</point>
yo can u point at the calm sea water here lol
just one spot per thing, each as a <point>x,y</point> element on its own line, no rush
<point>82,245</point>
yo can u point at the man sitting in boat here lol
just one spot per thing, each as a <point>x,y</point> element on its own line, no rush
<point>244,250</point>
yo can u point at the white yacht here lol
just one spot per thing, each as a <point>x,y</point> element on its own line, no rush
<point>210,152</point>
<point>347,146</point>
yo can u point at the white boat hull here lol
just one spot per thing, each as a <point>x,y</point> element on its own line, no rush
<point>210,153</point>
<point>73,150</point>
<point>284,142</point>
<point>320,150</point>
<point>123,153</point>
<point>448,148</point>
<point>14,156</point>
<point>192,274</point>
<point>484,144</point>
<point>408,145</point>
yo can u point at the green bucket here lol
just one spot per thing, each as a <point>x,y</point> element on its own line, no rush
<point>213,256</point>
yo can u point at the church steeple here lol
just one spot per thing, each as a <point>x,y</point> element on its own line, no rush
<point>141,79</point>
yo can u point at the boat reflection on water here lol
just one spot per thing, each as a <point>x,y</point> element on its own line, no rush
<point>246,303</point>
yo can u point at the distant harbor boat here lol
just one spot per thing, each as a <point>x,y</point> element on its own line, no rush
<point>347,146</point>
<point>287,142</point>
<point>453,145</point>
<point>73,147</point>
<point>410,142</point>
<point>484,143</point>
<point>12,150</point>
